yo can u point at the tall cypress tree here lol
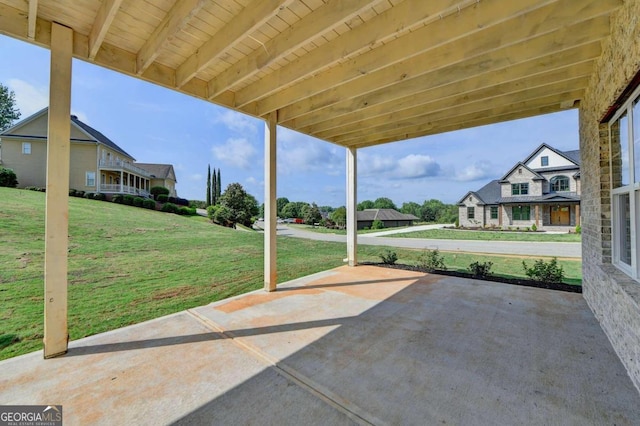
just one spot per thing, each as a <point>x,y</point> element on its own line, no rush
<point>214,185</point>
<point>208,202</point>
<point>218,186</point>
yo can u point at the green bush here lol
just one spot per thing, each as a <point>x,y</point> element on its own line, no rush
<point>149,204</point>
<point>158,190</point>
<point>162,198</point>
<point>549,272</point>
<point>197,204</point>
<point>137,201</point>
<point>99,196</point>
<point>169,208</point>
<point>186,211</point>
<point>128,200</point>
<point>534,228</point>
<point>377,224</point>
<point>457,223</point>
<point>211,212</point>
<point>118,199</point>
<point>72,192</point>
<point>431,260</point>
<point>79,194</point>
<point>389,257</point>
<point>88,195</point>
<point>480,270</point>
<point>578,229</point>
<point>8,178</point>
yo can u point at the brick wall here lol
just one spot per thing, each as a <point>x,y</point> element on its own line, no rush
<point>612,296</point>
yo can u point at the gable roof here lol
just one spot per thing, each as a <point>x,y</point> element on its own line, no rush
<point>488,194</point>
<point>536,175</point>
<point>383,214</point>
<point>160,171</point>
<point>573,156</point>
<point>93,134</point>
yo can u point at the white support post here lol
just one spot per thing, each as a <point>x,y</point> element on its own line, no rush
<point>57,194</point>
<point>352,204</point>
<point>270,212</point>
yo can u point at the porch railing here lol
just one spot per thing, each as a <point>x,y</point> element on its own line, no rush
<point>119,164</point>
<point>124,189</point>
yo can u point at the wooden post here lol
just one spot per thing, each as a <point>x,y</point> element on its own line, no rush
<point>352,204</point>
<point>270,212</point>
<point>577,214</point>
<point>537,207</point>
<point>57,195</point>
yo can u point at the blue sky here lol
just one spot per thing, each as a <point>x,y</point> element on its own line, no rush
<point>157,125</point>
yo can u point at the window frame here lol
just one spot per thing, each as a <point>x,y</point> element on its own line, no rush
<point>544,161</point>
<point>88,179</point>
<point>521,210</point>
<point>471,212</point>
<point>520,186</point>
<point>492,210</point>
<point>626,235</point>
<point>26,145</point>
<point>556,179</point>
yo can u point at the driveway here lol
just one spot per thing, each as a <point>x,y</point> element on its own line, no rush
<point>489,247</point>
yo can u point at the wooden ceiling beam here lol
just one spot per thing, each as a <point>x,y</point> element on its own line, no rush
<point>31,21</point>
<point>566,64</point>
<point>382,27</point>
<point>104,19</point>
<point>176,19</point>
<point>451,109</point>
<point>461,121</point>
<point>321,21</point>
<point>248,20</point>
<point>451,71</point>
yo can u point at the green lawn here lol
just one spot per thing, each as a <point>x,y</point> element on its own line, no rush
<point>128,265</point>
<point>458,234</point>
<point>323,230</point>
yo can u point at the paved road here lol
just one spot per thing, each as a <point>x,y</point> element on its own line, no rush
<point>490,247</point>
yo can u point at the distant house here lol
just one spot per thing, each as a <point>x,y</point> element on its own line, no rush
<point>544,190</point>
<point>97,164</point>
<point>389,217</point>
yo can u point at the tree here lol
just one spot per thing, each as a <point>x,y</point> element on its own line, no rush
<point>8,178</point>
<point>240,205</point>
<point>411,208</point>
<point>280,203</point>
<point>8,110</point>
<point>312,215</point>
<point>384,203</point>
<point>218,187</point>
<point>290,210</point>
<point>339,216</point>
<point>366,204</point>
<point>209,185</point>
<point>214,186</point>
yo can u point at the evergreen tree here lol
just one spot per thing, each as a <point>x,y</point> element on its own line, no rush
<point>214,190</point>
<point>218,186</point>
<point>209,185</point>
<point>8,110</point>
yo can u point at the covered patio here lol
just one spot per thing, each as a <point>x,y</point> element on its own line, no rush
<point>364,345</point>
<point>359,73</point>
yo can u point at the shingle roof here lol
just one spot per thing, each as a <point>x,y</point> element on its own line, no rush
<point>383,214</point>
<point>490,193</point>
<point>573,155</point>
<point>160,171</point>
<point>548,198</point>
<point>536,175</point>
<point>98,136</point>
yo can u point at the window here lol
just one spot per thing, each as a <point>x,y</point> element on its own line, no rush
<point>494,212</point>
<point>521,212</point>
<point>544,161</point>
<point>91,179</point>
<point>559,183</point>
<point>624,146</point>
<point>26,148</point>
<point>471,212</point>
<point>519,189</point>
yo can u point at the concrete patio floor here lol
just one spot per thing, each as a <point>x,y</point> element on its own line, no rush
<point>363,345</point>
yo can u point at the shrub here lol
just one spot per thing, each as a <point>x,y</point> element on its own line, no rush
<point>172,200</point>
<point>431,260</point>
<point>457,223</point>
<point>162,198</point>
<point>88,195</point>
<point>72,192</point>
<point>578,229</point>
<point>389,257</point>
<point>182,202</point>
<point>137,201</point>
<point>197,204</point>
<point>80,194</point>
<point>186,211</point>
<point>480,270</point>
<point>211,212</point>
<point>159,190</point>
<point>99,196</point>
<point>534,228</point>
<point>169,208</point>
<point>118,199</point>
<point>149,204</point>
<point>377,224</point>
<point>545,271</point>
<point>8,178</point>
<point>127,200</point>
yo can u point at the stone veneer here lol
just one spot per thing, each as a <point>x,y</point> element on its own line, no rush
<point>613,297</point>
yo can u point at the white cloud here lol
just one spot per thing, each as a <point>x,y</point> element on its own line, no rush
<point>29,98</point>
<point>411,166</point>
<point>417,166</point>
<point>236,152</point>
<point>300,153</point>
<point>477,171</point>
<point>237,122</point>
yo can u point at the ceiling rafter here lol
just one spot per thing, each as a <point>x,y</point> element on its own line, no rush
<point>176,19</point>
<point>321,21</point>
<point>33,16</point>
<point>104,19</point>
<point>248,20</point>
<point>329,88</point>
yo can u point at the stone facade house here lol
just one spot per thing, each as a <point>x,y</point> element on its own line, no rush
<point>542,190</point>
<point>97,164</point>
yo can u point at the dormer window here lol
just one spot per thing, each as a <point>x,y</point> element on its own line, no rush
<point>544,161</point>
<point>559,183</point>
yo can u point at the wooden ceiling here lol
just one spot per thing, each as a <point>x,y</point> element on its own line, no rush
<point>353,72</point>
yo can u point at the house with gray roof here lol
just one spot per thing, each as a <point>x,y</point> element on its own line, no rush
<point>97,164</point>
<point>389,217</point>
<point>543,189</point>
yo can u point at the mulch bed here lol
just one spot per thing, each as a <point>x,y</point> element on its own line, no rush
<point>515,281</point>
